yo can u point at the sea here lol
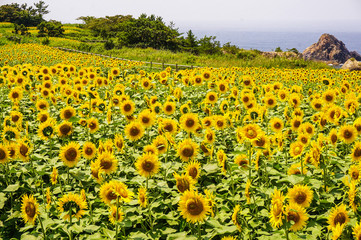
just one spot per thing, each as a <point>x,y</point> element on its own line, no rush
<point>269,41</point>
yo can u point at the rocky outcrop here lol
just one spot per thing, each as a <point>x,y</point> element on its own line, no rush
<point>352,64</point>
<point>329,48</point>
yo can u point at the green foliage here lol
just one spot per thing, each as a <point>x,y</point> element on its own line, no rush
<point>230,49</point>
<point>278,49</point>
<point>22,14</point>
<point>209,45</point>
<point>50,29</point>
<point>247,54</point>
<point>294,50</point>
<point>45,41</point>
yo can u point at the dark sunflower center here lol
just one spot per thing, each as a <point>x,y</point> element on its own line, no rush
<point>358,128</point>
<point>89,151</point>
<point>2,154</point>
<point>111,195</point>
<point>193,172</point>
<point>15,118</point>
<point>270,102</point>
<point>188,152</point>
<point>293,216</point>
<point>106,163</point>
<point>146,84</point>
<point>195,207</point>
<point>182,185</point>
<point>92,125</point>
<point>30,209</point>
<point>340,218</point>
<point>260,142</point>
<point>333,138</point>
<point>207,123</point>
<point>15,95</point>
<point>24,150</point>
<point>309,130</point>
<point>347,134</point>
<point>329,98</point>
<point>71,154</point>
<point>212,98</point>
<point>169,108</point>
<point>127,107</point>
<point>296,124</point>
<point>355,175</point>
<point>134,131</point>
<point>277,125</point>
<point>169,127</point>
<point>245,99</point>
<point>300,197</point>
<point>357,152</point>
<point>65,129</point>
<point>12,153</point>
<point>160,146</point>
<point>115,101</point>
<point>147,166</point>
<point>43,118</point>
<point>68,114</point>
<point>295,102</point>
<point>243,162</point>
<point>190,123</point>
<point>247,82</point>
<point>222,87</point>
<point>220,123</point>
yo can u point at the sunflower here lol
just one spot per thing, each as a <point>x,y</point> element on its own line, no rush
<point>333,136</point>
<point>316,104</point>
<point>303,138</point>
<point>296,122</point>
<point>146,84</point>
<point>54,176</point>
<point>70,154</point>
<point>307,128</point>
<point>29,209</point>
<point>187,149</point>
<point>119,142</point>
<point>251,131</point>
<point>211,97</point>
<point>184,109</point>
<point>65,129</point>
<point>151,149</point>
<point>355,172</point>
<point>93,125</point>
<point>169,125</point>
<point>127,107</point>
<point>209,136</point>
<point>16,117</point>
<point>142,197</point>
<point>169,107</point>
<point>43,116</point>
<point>295,169</point>
<point>147,165</point>
<point>296,216</point>
<point>236,217</point>
<point>270,100</point>
<point>357,231</point>
<point>207,122</point>
<point>110,190</point>
<point>16,94</point>
<point>338,215</point>
<point>357,125</point>
<point>4,154</point>
<point>276,212</point>
<point>296,149</point>
<point>146,118</point>
<point>24,150</point>
<point>334,114</point>
<point>72,204</point>
<point>193,207</point>
<point>261,141</point>
<point>276,124</point>
<point>356,152</point>
<point>161,143</point>
<point>107,162</point>
<point>67,112</point>
<point>347,133</point>
<point>189,122</point>
<point>184,182</point>
<point>96,171</point>
<point>301,195</point>
<point>247,192</point>
<point>89,150</point>
<point>134,131</point>
<point>115,215</point>
<point>329,96</point>
<point>193,169</point>
<point>220,122</point>
<point>352,193</point>
<point>241,160</point>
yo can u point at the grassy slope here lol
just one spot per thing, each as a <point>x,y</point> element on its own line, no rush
<point>152,55</point>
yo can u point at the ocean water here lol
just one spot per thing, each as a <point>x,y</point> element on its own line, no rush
<point>269,41</point>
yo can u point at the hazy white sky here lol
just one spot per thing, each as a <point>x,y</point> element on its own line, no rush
<point>242,15</point>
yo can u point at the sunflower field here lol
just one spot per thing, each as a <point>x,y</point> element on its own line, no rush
<point>96,148</point>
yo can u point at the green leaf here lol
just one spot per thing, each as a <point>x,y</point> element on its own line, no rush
<point>109,233</point>
<point>3,199</point>
<point>74,119</point>
<point>12,188</point>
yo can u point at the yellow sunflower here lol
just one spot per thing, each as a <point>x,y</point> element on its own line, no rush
<point>189,122</point>
<point>251,131</point>
<point>209,136</point>
<point>67,112</point>
<point>24,150</point>
<point>187,149</point>
<point>297,216</point>
<point>355,172</point>
<point>211,97</point>
<point>169,107</point>
<point>338,215</point>
<point>147,165</point>
<point>333,136</point>
<point>241,160</point>
<point>29,209</point>
<point>347,133</point>
<point>4,154</point>
<point>357,125</point>
<point>220,122</point>
<point>115,216</point>
<point>127,107</point>
<point>93,125</point>
<point>96,171</point>
<point>352,193</point>
<point>301,195</point>
<point>10,133</point>
<point>89,150</point>
<point>107,162</point>
<point>119,142</point>
<point>161,143</point>
<point>296,149</point>
<point>70,154</point>
<point>43,116</point>
<point>276,212</point>
<point>193,207</point>
<point>207,122</point>
<point>142,197</point>
<point>151,149</point>
<point>277,124</point>
<point>356,152</point>
<point>54,176</point>
<point>16,94</point>
<point>65,129</point>
<point>109,191</point>
<point>193,169</point>
<point>169,125</point>
<point>357,231</point>
<point>184,182</point>
<point>73,205</point>
<point>146,118</point>
<point>236,217</point>
<point>134,131</point>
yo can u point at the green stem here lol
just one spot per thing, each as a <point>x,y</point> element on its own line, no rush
<point>286,232</point>
<point>146,184</point>
<point>42,227</point>
<point>302,167</point>
<point>71,221</point>
<point>250,162</point>
<point>116,219</point>
<point>67,170</point>
<point>199,231</point>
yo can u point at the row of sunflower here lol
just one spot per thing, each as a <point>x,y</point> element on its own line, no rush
<point>250,153</point>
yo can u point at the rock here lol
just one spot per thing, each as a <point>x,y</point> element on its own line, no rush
<point>355,55</point>
<point>352,64</point>
<point>329,48</point>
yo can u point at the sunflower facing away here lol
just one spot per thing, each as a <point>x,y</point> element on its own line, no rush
<point>193,207</point>
<point>142,197</point>
<point>73,204</point>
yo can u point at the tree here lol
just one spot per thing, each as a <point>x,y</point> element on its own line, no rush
<point>41,8</point>
<point>51,28</point>
<point>190,43</point>
<point>209,45</point>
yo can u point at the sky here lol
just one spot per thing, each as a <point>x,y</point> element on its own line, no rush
<point>235,15</point>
